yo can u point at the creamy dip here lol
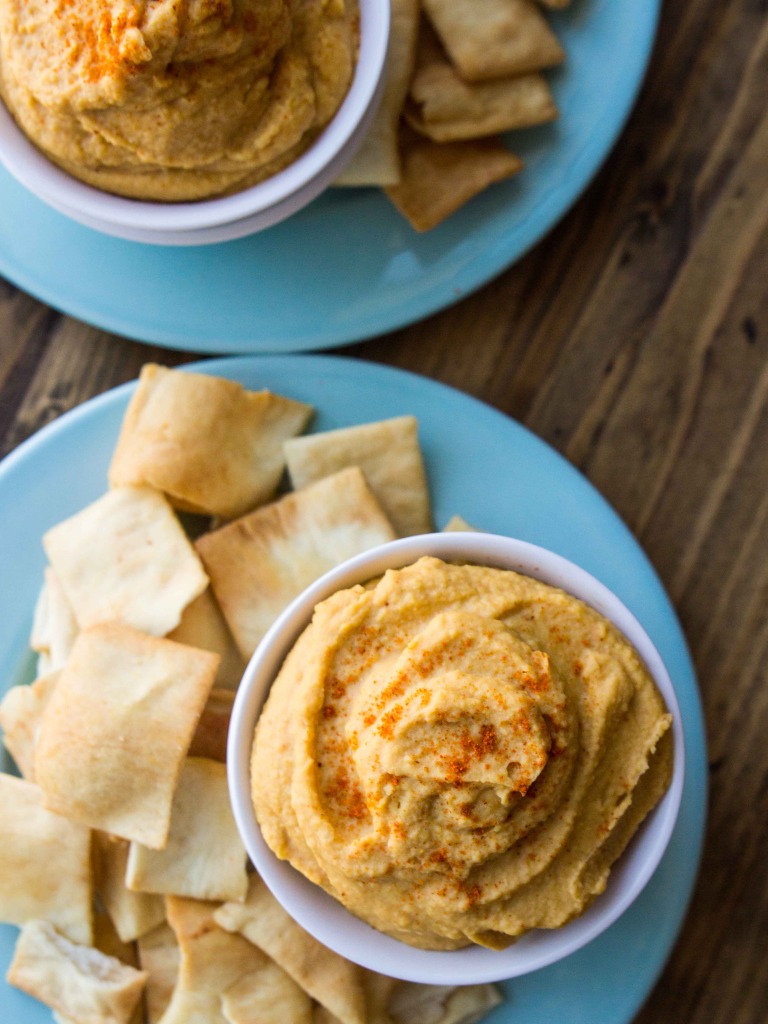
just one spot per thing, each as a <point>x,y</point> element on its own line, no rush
<point>459,753</point>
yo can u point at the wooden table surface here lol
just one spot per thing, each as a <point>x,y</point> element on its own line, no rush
<point>634,340</point>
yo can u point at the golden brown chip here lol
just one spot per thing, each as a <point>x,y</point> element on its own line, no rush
<point>203,625</point>
<point>215,964</point>
<point>159,957</point>
<point>377,162</point>
<point>204,857</point>
<point>457,524</point>
<point>494,38</point>
<point>259,563</point>
<point>445,107</point>
<point>21,711</point>
<point>78,982</point>
<point>210,739</point>
<point>206,442</point>
<point>269,997</point>
<point>389,455</point>
<point>125,558</point>
<point>133,914</point>
<point>323,974</point>
<point>117,728</point>
<point>45,863</point>
<point>440,177</point>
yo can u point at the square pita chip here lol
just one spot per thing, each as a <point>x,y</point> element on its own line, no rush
<point>79,982</point>
<point>389,455</point>
<point>440,177</point>
<point>204,857</point>
<point>444,107</point>
<point>494,38</point>
<point>45,863</point>
<point>259,563</point>
<point>125,558</point>
<point>117,728</point>
<point>211,446</point>
<point>203,625</point>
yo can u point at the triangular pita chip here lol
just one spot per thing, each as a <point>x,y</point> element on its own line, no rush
<point>269,997</point>
<point>326,976</point>
<point>457,524</point>
<point>206,442</point>
<point>377,162</point>
<point>21,711</point>
<point>79,982</point>
<point>389,455</point>
<point>117,728</point>
<point>494,38</point>
<point>45,863</point>
<point>54,626</point>
<point>133,914</point>
<point>125,558</point>
<point>212,962</point>
<point>204,857</point>
<point>259,563</point>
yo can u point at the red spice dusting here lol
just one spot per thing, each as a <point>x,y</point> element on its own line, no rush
<point>329,711</point>
<point>472,749</point>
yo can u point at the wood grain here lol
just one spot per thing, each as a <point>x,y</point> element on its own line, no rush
<point>634,339</point>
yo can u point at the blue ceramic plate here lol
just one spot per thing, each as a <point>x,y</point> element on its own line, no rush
<point>479,464</point>
<point>347,267</point>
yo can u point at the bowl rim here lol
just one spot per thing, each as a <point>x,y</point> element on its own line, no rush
<point>70,196</point>
<point>327,919</point>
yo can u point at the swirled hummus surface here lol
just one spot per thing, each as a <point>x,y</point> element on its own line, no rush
<point>175,99</point>
<point>459,753</point>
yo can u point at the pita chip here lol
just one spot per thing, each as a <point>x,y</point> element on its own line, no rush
<point>457,524</point>
<point>377,162</point>
<point>440,177</point>
<point>445,107</point>
<point>323,974</point>
<point>45,863</point>
<point>211,446</point>
<point>79,982</point>
<point>117,728</point>
<point>204,857</point>
<point>213,961</point>
<point>389,455</point>
<point>159,957</point>
<point>125,558</point>
<point>54,626</point>
<point>210,739</point>
<point>203,625</point>
<point>21,711</point>
<point>494,38</point>
<point>413,1003</point>
<point>269,997</point>
<point>133,914</point>
<point>260,562</point>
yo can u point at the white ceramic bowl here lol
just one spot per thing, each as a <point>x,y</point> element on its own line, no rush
<point>228,217</point>
<point>327,919</point>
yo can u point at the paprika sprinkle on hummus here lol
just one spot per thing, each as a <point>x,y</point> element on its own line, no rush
<point>430,757</point>
<point>175,99</point>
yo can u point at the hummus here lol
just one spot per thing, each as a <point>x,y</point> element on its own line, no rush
<point>458,753</point>
<point>175,99</point>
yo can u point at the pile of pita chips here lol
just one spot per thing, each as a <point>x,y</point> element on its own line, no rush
<point>120,860</point>
<point>460,73</point>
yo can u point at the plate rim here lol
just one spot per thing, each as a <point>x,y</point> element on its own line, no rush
<point>443,292</point>
<point>697,783</point>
